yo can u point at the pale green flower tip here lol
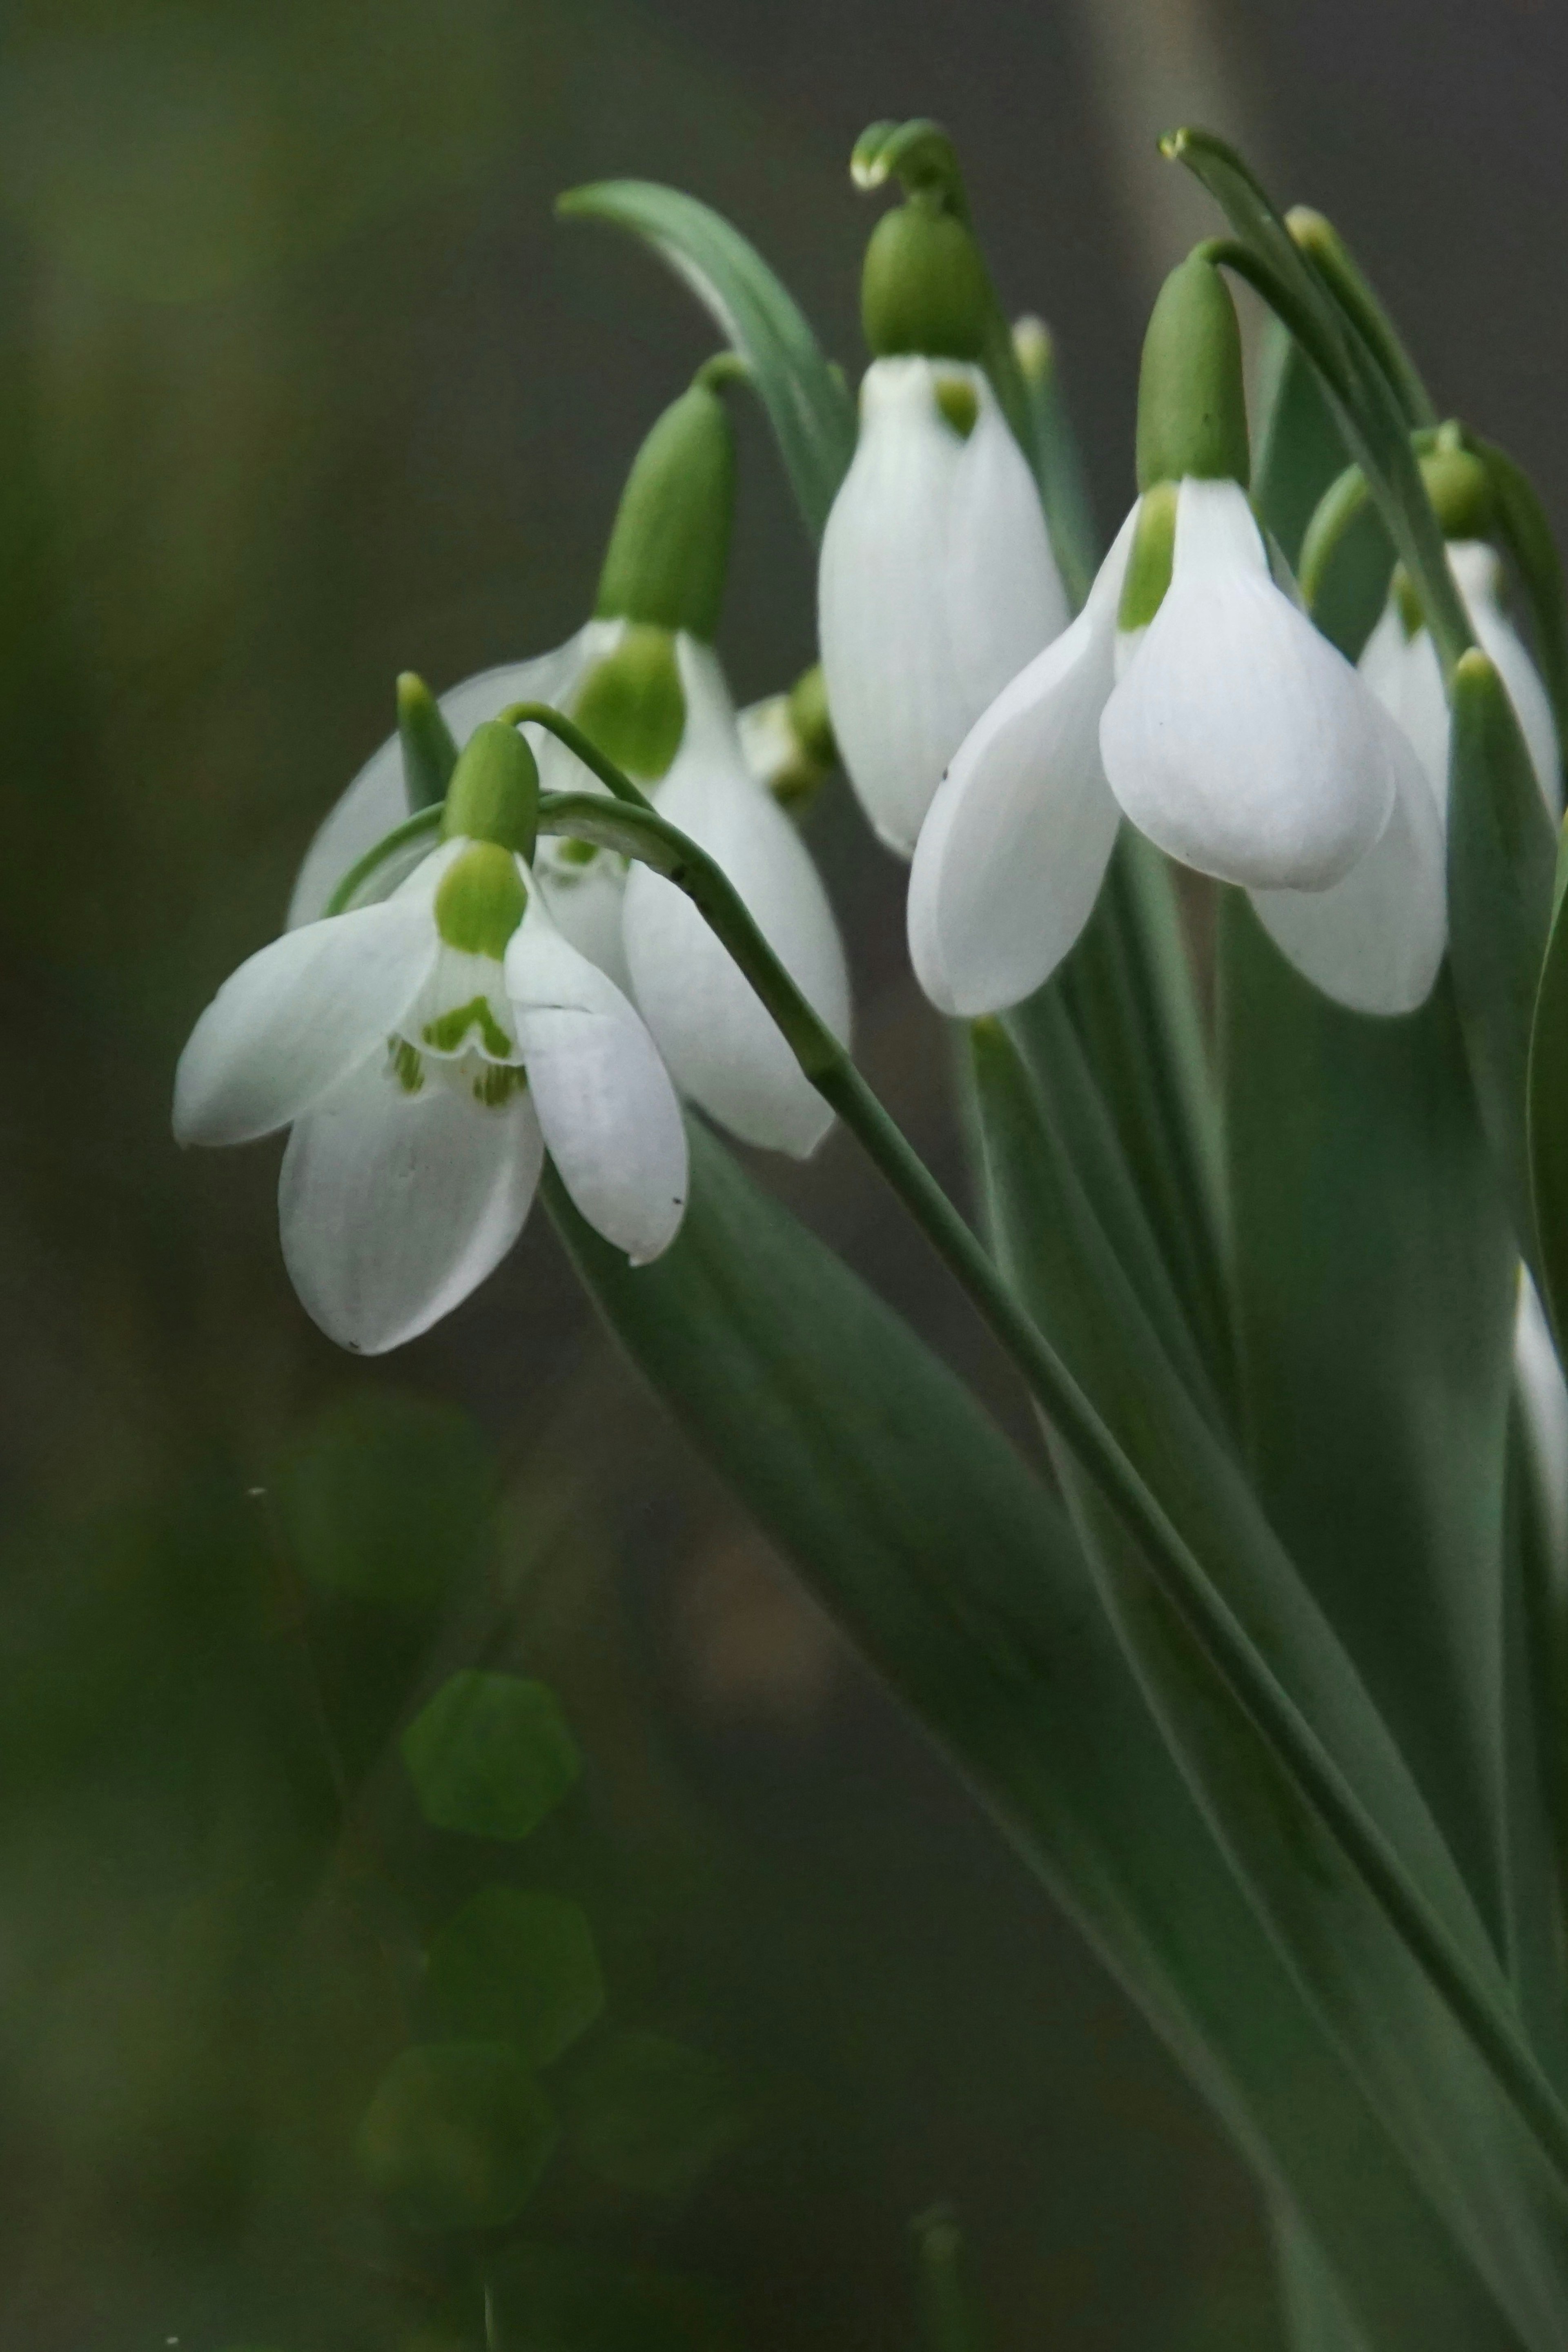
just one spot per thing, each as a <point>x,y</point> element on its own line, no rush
<point>429,754</point>
<point>958,403</point>
<point>481,900</point>
<point>494,792</point>
<point>1034,348</point>
<point>1460,489</point>
<point>669,551</point>
<point>1150,560</point>
<point>632,704</point>
<point>924,292</point>
<point>1192,408</point>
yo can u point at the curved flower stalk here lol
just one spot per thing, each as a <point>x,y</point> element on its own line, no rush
<point>1194,698</point>
<point>426,1052</point>
<point>1401,665</point>
<point>937,581</point>
<point>643,681</point>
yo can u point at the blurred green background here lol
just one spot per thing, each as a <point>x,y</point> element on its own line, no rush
<point>301,386</point>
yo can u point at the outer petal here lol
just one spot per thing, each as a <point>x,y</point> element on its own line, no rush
<point>376,800</point>
<point>395,1206</point>
<point>721,1047</point>
<point>1404,674</point>
<point>936,585</point>
<point>1479,571</point>
<point>1376,940</point>
<point>297,1016</point>
<point>1239,739</point>
<point>1012,855</point>
<point>610,1117</point>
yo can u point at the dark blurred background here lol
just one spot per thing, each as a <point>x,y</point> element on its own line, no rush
<point>300,385</point>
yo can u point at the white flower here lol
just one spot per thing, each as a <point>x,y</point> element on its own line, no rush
<point>1235,736</point>
<point>937,582</point>
<point>426,1052</point>
<point>721,1046</point>
<point>1399,665</point>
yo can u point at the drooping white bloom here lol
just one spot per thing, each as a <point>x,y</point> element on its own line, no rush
<point>721,1047</point>
<point>426,1052</point>
<point>1234,735</point>
<point>937,582</point>
<point>1399,665</point>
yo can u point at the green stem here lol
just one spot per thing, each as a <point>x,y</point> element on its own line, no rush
<point>638,833</point>
<point>540,714</point>
<point>423,821</point>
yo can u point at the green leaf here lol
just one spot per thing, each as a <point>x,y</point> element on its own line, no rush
<point>491,1755</point>
<point>1300,451</point>
<point>1547,1114</point>
<point>456,2135</point>
<point>1499,910</point>
<point>649,2113</point>
<point>1529,540</point>
<point>916,1525</point>
<point>1420,2069</point>
<point>812,413</point>
<point>518,1968</point>
<point>1375,1290</point>
<point>551,2298</point>
<point>1058,462</point>
<point>1316,2319</point>
<point>388,1498</point>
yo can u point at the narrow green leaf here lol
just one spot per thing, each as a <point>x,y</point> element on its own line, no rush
<point>1499,910</point>
<point>1528,536</point>
<point>918,1527</point>
<point>1375,1286</point>
<point>1501,2196</point>
<point>1299,451</point>
<point>553,2298</point>
<point>491,1755</point>
<point>812,413</point>
<point>456,2136</point>
<point>1547,1113</point>
<point>1536,1786</point>
<point>1058,461</point>
<point>1316,2319</point>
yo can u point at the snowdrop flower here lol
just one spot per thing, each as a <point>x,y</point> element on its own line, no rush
<point>937,581</point>
<point>643,682</point>
<point>426,1052</point>
<point>1400,664</point>
<point>1193,696</point>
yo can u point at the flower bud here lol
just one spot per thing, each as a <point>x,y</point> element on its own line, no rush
<point>1192,410</point>
<point>633,705</point>
<point>1460,489</point>
<point>494,792</point>
<point>924,291</point>
<point>669,549</point>
<point>429,754</point>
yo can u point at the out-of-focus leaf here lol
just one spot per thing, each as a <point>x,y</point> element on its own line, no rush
<point>550,2299</point>
<point>1463,2137</point>
<point>1297,452</point>
<point>491,1755</point>
<point>1316,2319</point>
<point>1501,859</point>
<point>1529,538</point>
<point>917,1526</point>
<point>1058,464</point>
<point>517,1967</point>
<point>812,413</point>
<point>456,2136</point>
<point>1547,1112</point>
<point>650,2114</point>
<point>387,1498</point>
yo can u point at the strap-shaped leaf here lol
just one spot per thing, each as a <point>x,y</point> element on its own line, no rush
<point>807,403</point>
<point>919,1529</point>
<point>1503,2201</point>
<point>1500,910</point>
<point>1548,1112</point>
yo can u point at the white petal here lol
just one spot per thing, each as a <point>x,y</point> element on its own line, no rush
<point>377,799</point>
<point>587,903</point>
<point>1239,739</point>
<point>297,1017</point>
<point>936,585</point>
<point>1403,672</point>
<point>1374,941</point>
<point>722,1047</point>
<point>1012,855</point>
<point>610,1117</point>
<point>395,1206</point>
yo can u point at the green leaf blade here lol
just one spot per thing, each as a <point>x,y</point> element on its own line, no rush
<point>811,412</point>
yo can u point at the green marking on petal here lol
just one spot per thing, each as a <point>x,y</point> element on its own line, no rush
<point>481,900</point>
<point>448,1030</point>
<point>959,403</point>
<point>496,1083</point>
<point>1153,555</point>
<point>577,853</point>
<point>407,1064</point>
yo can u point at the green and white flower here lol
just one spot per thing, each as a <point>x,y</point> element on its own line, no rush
<point>426,1052</point>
